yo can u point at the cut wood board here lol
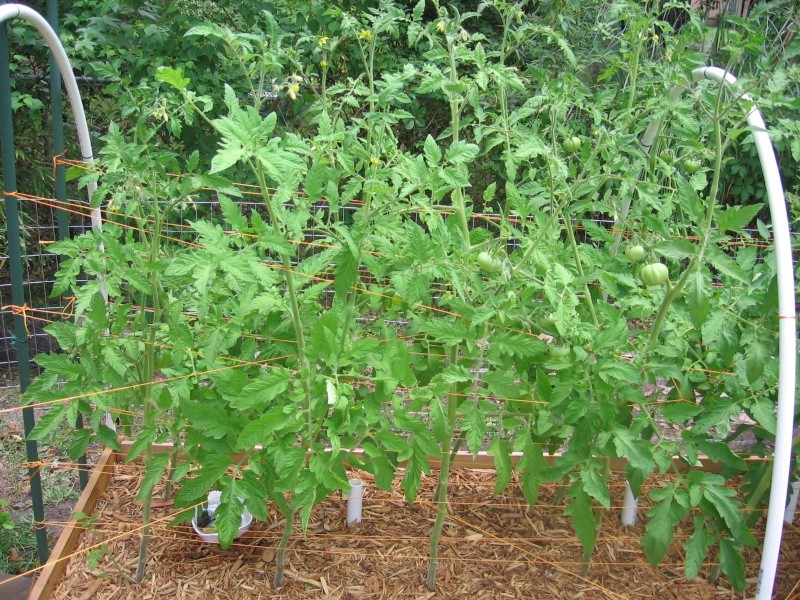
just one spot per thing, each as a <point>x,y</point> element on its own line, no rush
<point>466,460</point>
<point>70,536</point>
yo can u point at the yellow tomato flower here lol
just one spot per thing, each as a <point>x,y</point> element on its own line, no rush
<point>373,160</point>
<point>323,40</point>
<point>365,34</point>
<point>323,63</point>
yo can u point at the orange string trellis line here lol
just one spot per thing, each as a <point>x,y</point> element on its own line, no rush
<point>329,281</point>
<point>739,241</point>
<point>25,310</point>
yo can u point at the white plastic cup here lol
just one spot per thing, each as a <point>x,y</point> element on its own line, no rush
<point>214,498</point>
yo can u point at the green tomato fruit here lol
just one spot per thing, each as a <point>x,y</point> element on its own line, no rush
<point>547,322</point>
<point>691,166</point>
<point>487,263</point>
<point>635,253</point>
<point>654,274</point>
<point>557,351</point>
<point>162,359</point>
<point>571,144</point>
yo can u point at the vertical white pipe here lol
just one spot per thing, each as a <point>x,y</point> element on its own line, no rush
<point>791,506</point>
<point>354,501</point>
<point>629,507</point>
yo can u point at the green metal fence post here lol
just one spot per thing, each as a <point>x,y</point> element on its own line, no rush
<point>17,287</point>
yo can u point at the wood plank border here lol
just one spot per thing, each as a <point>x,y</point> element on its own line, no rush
<point>67,542</point>
<point>484,461</point>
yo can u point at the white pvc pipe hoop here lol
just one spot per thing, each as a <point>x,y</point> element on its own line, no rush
<point>13,11</point>
<point>786,323</point>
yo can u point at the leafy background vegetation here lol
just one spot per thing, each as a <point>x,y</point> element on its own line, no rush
<point>375,138</point>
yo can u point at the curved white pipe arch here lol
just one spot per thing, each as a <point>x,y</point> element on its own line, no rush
<point>14,11</point>
<point>787,329</point>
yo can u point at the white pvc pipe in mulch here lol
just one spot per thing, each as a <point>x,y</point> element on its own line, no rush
<point>354,501</point>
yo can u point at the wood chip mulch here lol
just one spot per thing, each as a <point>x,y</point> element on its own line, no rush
<point>492,547</point>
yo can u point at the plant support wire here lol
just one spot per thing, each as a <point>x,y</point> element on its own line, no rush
<point>7,13</point>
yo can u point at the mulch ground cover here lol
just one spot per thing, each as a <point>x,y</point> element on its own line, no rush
<point>492,547</point>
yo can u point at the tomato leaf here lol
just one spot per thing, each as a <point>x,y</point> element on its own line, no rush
<point>736,218</point>
<point>153,470</point>
<point>638,452</point>
<point>438,419</point>
<point>433,154</point>
<point>731,562</point>
<point>532,465</point>
<point>475,426</point>
<point>680,411</point>
<point>204,479</point>
<point>697,298</point>
<point>228,515</point>
<point>659,530</point>
<point>583,519</point>
<point>696,548</point>
<point>500,449</point>
<point>594,484</point>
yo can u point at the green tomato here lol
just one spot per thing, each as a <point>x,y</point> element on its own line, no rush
<point>547,322</point>
<point>635,253</point>
<point>487,263</point>
<point>691,166</point>
<point>654,274</point>
<point>571,144</point>
<point>162,359</point>
<point>557,351</point>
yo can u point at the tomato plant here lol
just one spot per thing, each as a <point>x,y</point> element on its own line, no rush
<point>275,313</point>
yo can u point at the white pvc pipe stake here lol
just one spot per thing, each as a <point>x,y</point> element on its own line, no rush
<point>791,506</point>
<point>354,501</point>
<point>629,506</point>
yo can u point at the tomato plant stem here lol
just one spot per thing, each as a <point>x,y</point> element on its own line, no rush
<point>148,372</point>
<point>280,557</point>
<point>455,124</point>
<point>444,476</point>
<point>587,296</point>
<point>705,238</point>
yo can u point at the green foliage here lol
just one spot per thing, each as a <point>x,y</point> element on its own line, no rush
<point>345,309</point>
